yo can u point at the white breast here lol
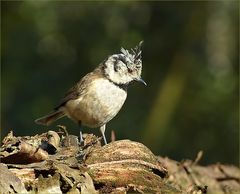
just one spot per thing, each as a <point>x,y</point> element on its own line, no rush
<point>101,101</point>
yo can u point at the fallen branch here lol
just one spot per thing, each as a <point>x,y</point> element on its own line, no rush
<point>53,163</point>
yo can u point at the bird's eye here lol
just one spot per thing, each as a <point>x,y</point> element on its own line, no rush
<point>130,70</point>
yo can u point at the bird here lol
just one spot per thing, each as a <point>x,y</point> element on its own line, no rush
<point>97,98</point>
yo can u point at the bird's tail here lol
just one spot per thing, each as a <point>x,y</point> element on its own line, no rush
<point>50,118</point>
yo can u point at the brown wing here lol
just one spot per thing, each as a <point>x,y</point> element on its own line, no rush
<point>79,88</point>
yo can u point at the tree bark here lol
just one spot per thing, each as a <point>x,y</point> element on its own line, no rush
<point>55,162</point>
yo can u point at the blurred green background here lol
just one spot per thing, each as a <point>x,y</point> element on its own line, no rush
<point>190,62</point>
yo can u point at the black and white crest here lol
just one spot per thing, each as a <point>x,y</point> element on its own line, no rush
<point>135,54</point>
<point>124,67</point>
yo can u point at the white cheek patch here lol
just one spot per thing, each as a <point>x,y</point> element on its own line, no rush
<point>119,77</point>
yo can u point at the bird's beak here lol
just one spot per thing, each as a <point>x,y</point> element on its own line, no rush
<point>141,80</point>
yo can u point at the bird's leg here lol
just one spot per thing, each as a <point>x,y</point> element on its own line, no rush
<point>102,129</point>
<point>80,132</point>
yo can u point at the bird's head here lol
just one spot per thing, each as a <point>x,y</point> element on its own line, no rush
<point>125,67</point>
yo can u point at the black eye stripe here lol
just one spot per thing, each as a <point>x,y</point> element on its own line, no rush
<point>122,60</point>
<point>115,65</point>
